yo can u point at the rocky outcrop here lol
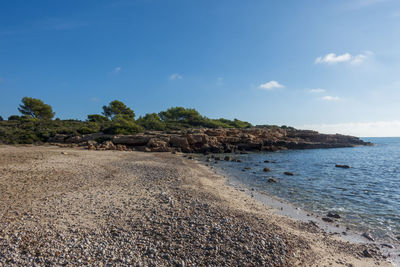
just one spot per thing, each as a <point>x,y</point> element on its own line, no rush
<point>213,140</point>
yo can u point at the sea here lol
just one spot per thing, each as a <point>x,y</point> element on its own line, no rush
<point>366,195</point>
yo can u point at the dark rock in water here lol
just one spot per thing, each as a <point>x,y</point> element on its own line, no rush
<point>288,173</point>
<point>243,152</point>
<point>227,158</point>
<point>266,170</point>
<point>333,215</point>
<point>217,158</point>
<point>344,233</point>
<point>342,166</point>
<point>326,219</point>
<point>247,168</point>
<point>368,236</point>
<point>266,161</point>
<point>190,157</point>
<point>238,160</point>
<point>366,253</point>
<point>387,246</point>
<point>272,180</point>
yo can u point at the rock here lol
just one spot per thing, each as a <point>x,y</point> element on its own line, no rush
<point>333,215</point>
<point>366,253</point>
<point>326,219</point>
<point>342,166</point>
<point>266,170</point>
<point>64,153</point>
<point>288,173</point>
<point>266,161</point>
<point>217,158</point>
<point>272,180</point>
<point>368,236</point>
<point>227,158</point>
<point>387,246</point>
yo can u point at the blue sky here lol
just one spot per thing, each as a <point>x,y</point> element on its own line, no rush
<point>328,65</point>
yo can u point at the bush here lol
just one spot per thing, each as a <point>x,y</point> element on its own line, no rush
<point>123,124</point>
<point>97,118</point>
<point>151,122</point>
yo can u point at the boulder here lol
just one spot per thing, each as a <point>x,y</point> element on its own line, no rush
<point>288,173</point>
<point>266,169</point>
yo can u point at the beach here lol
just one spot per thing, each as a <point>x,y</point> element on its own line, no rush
<point>71,206</point>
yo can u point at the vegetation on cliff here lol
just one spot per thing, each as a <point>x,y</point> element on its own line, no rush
<point>36,123</point>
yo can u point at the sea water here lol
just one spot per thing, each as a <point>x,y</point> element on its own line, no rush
<point>367,195</point>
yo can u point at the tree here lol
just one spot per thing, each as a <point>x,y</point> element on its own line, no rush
<point>1,118</point>
<point>180,114</point>
<point>14,118</point>
<point>35,108</point>
<point>151,122</point>
<point>97,118</point>
<point>123,124</point>
<point>118,108</point>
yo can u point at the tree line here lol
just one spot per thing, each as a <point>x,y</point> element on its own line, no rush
<point>36,122</point>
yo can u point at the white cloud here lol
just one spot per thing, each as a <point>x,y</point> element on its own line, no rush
<point>175,76</point>
<point>117,70</point>
<point>270,85</point>
<point>317,91</point>
<point>364,129</point>
<point>332,58</point>
<point>330,98</point>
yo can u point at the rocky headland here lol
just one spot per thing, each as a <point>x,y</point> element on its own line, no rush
<point>212,140</point>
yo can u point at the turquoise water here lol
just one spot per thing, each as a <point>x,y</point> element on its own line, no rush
<point>367,195</point>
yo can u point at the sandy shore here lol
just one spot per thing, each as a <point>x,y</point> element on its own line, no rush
<point>77,207</point>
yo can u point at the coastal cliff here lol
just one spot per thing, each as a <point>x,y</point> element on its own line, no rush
<point>212,140</point>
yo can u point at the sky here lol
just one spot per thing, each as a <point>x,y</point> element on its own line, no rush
<point>327,65</point>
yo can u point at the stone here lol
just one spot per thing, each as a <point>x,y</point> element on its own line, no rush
<point>272,180</point>
<point>368,236</point>
<point>227,158</point>
<point>333,215</point>
<point>288,173</point>
<point>326,219</point>
<point>342,166</point>
<point>266,169</point>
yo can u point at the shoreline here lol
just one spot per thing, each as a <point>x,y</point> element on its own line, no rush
<point>89,207</point>
<point>283,207</point>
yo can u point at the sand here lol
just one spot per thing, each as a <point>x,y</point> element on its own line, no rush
<point>62,206</point>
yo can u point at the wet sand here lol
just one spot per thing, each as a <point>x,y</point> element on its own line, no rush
<point>62,206</point>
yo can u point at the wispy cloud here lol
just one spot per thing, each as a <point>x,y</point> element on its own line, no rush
<point>175,76</point>
<point>330,98</point>
<point>117,70</point>
<point>270,85</point>
<point>363,129</point>
<point>317,91</point>
<point>357,4</point>
<point>332,58</point>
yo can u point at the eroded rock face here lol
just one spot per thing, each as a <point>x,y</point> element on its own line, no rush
<point>215,140</point>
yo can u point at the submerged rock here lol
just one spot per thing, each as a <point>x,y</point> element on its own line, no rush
<point>288,173</point>
<point>333,215</point>
<point>342,166</point>
<point>266,169</point>
<point>368,236</point>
